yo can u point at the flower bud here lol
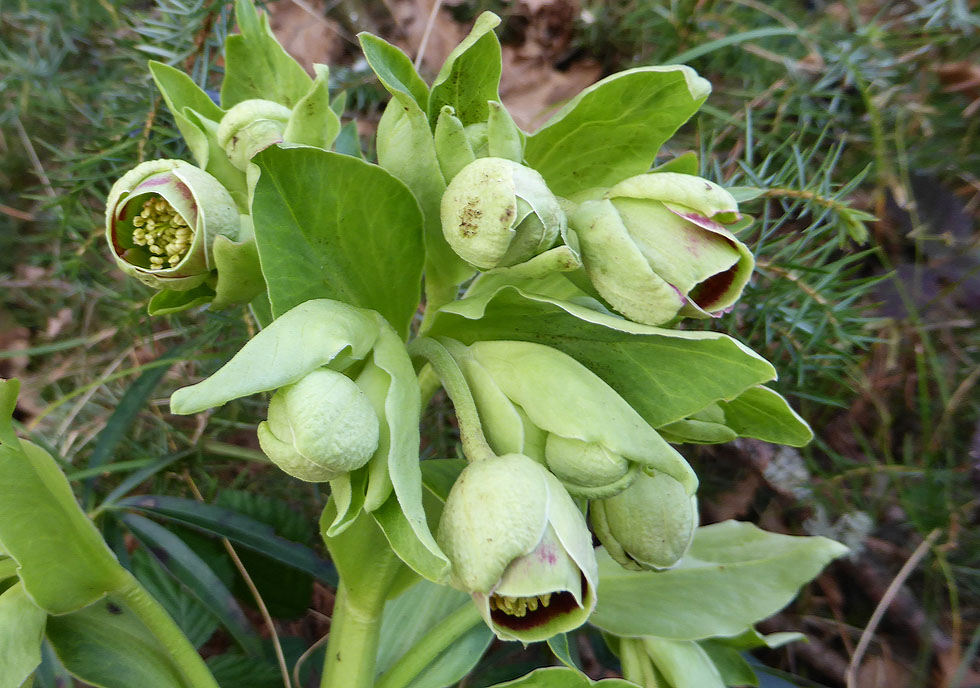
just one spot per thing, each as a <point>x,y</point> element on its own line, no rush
<point>655,246</point>
<point>520,546</point>
<point>320,427</point>
<point>162,218</point>
<point>497,213</point>
<point>649,525</point>
<point>587,469</point>
<point>251,126</point>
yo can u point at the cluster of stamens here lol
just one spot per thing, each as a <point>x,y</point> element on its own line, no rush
<point>519,606</point>
<point>164,233</point>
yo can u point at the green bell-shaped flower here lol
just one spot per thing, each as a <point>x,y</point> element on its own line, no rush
<point>655,246</point>
<point>649,525</point>
<point>520,546</point>
<point>320,427</point>
<point>498,213</point>
<point>252,126</point>
<point>162,218</point>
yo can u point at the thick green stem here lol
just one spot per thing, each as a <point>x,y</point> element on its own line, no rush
<point>475,444</point>
<point>159,623</point>
<point>430,646</point>
<point>353,645</point>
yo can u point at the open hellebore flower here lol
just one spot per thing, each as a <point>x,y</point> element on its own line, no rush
<point>520,546</point>
<point>162,218</point>
<point>320,427</point>
<point>655,246</point>
<point>498,213</point>
<point>649,525</point>
<point>584,431</point>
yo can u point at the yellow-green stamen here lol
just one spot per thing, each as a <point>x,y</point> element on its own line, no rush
<point>163,232</point>
<point>519,606</point>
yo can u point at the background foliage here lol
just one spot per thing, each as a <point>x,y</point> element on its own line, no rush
<point>834,120</point>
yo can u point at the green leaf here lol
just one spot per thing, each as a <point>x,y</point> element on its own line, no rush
<point>394,68</point>
<point>349,141</point>
<point>168,301</point>
<point>105,645</point>
<point>470,76</point>
<point>683,663</point>
<point>733,576</point>
<point>256,66</point>
<point>332,226</point>
<point>240,529</point>
<point>314,334</point>
<point>8,403</point>
<point>438,475</point>
<point>562,677</point>
<point>424,608</point>
<point>560,648</point>
<point>21,633</point>
<point>179,92</point>
<point>408,532</point>
<point>761,413</point>
<point>730,663</point>
<point>614,129</point>
<point>43,528</point>
<point>193,618</point>
<point>188,568</point>
<point>664,374</point>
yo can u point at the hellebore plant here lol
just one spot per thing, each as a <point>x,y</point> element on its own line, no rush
<point>556,267</point>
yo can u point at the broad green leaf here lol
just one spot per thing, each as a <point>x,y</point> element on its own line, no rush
<point>426,608</point>
<point>240,529</point>
<point>614,129</point>
<point>664,374</point>
<point>313,334</point>
<point>332,226</point>
<point>733,576</point>
<point>43,528</point>
<point>683,663</point>
<point>21,633</point>
<point>761,413</point>
<point>438,475</point>
<point>8,402</point>
<point>470,76</point>
<point>394,68</point>
<point>8,568</point>
<point>194,573</point>
<point>233,670</point>
<point>179,92</point>
<point>105,645</point>
<point>415,546</point>
<point>349,141</point>
<point>562,677</point>
<point>256,66</point>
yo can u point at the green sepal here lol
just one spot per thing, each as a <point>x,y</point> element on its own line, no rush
<point>504,138</point>
<point>313,121</point>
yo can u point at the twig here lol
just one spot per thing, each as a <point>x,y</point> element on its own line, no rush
<point>263,610</point>
<point>19,214</point>
<point>306,655</point>
<point>886,600</point>
<point>428,31</point>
